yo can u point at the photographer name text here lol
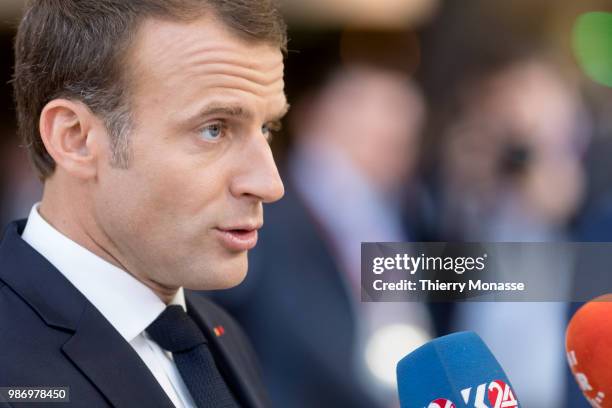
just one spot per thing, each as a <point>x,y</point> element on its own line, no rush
<point>440,286</point>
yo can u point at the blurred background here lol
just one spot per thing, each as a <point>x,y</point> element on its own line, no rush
<point>411,120</point>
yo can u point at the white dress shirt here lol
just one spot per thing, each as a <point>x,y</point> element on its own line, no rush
<point>129,305</point>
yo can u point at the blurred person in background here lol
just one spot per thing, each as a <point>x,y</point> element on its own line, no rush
<point>512,171</point>
<point>512,161</point>
<point>349,176</point>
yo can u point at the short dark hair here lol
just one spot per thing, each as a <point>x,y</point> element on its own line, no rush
<point>77,49</point>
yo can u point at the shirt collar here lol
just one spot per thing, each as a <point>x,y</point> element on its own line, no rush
<point>128,304</point>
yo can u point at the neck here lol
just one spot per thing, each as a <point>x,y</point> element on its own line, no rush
<point>67,217</point>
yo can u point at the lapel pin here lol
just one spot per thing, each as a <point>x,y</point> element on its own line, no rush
<point>219,331</point>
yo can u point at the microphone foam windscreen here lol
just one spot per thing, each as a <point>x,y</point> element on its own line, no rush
<point>589,350</point>
<point>453,371</point>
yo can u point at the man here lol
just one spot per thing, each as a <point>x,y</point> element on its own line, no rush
<point>149,123</point>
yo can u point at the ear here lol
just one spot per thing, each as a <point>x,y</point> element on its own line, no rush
<point>71,135</point>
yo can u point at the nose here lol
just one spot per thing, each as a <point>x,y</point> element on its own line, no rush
<point>258,175</point>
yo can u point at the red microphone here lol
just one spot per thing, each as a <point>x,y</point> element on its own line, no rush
<point>588,343</point>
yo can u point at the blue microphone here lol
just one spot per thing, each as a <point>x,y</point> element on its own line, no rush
<point>454,371</point>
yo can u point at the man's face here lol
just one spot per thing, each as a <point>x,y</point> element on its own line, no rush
<point>373,113</point>
<point>187,209</point>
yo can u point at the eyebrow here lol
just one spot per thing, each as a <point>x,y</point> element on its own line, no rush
<point>283,112</point>
<point>237,111</point>
<point>228,110</point>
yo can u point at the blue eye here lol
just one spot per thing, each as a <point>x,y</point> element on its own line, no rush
<point>269,129</point>
<point>212,132</point>
<point>267,132</point>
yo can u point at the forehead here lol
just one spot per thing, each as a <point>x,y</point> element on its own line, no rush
<point>189,60</point>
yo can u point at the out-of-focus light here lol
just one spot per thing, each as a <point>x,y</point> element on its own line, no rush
<point>592,42</point>
<point>389,14</point>
<point>387,346</point>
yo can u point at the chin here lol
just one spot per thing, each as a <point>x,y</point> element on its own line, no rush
<point>234,280</point>
<point>224,276</point>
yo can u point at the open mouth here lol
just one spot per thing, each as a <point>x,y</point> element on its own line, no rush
<point>237,239</point>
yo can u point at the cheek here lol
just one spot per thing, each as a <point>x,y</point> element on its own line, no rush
<point>168,189</point>
<point>121,197</point>
<point>176,182</point>
<point>143,214</point>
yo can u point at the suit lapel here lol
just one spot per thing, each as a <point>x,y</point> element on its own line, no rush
<point>112,365</point>
<point>236,362</point>
<point>96,348</point>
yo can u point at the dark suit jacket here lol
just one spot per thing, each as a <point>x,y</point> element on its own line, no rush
<point>297,311</point>
<point>51,335</point>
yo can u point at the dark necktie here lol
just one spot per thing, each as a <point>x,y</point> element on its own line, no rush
<point>176,332</point>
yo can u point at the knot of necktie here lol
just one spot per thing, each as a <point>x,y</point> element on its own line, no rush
<point>175,331</point>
